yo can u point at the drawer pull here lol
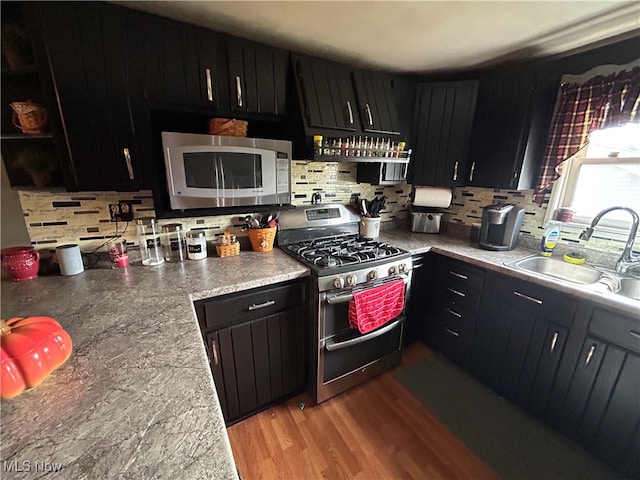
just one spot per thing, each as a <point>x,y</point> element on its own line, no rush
<point>456,292</point>
<point>459,275</point>
<point>268,303</point>
<point>455,314</point>
<point>452,332</point>
<point>527,297</point>
<point>634,334</point>
<point>214,348</point>
<point>589,355</point>
<point>554,340</point>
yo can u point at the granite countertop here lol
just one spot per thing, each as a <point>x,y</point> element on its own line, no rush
<point>136,398</point>
<point>464,249</point>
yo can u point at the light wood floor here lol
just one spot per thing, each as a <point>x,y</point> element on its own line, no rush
<point>374,431</point>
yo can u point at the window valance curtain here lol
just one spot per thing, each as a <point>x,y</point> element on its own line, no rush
<point>603,101</point>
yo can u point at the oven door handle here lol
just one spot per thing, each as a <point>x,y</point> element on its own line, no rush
<point>339,299</point>
<point>332,346</point>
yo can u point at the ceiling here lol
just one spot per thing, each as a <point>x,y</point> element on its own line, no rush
<point>414,36</point>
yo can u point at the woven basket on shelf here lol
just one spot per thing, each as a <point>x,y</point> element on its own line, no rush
<point>228,127</point>
<point>262,238</point>
<point>29,117</point>
<point>230,249</point>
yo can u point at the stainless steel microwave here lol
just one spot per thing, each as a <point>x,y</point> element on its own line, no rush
<point>205,171</point>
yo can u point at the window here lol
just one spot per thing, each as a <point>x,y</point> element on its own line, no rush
<point>605,174</point>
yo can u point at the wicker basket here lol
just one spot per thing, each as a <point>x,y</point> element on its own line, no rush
<point>228,127</point>
<point>29,117</point>
<point>262,238</point>
<point>230,249</point>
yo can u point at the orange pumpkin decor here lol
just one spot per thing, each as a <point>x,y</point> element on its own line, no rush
<point>31,348</point>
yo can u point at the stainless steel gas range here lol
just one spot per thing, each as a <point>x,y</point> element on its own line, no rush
<point>325,238</point>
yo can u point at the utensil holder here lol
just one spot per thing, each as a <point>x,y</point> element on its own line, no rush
<point>262,238</point>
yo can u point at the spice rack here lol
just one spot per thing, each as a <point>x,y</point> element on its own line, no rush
<point>360,149</point>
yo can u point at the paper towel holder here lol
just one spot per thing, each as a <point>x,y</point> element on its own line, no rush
<point>437,196</point>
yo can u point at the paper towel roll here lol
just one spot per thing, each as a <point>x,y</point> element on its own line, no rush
<point>432,197</point>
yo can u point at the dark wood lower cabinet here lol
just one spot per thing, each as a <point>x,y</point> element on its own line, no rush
<point>599,406</point>
<point>572,363</point>
<point>260,360</point>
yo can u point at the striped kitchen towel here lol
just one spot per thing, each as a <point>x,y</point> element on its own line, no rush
<point>372,308</point>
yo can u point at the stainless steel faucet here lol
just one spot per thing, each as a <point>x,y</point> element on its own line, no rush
<point>626,260</point>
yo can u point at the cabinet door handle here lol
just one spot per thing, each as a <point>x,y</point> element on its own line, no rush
<point>127,160</point>
<point>238,90</point>
<point>452,332</point>
<point>634,334</point>
<point>455,171</point>
<point>527,297</point>
<point>554,340</point>
<point>268,303</point>
<point>515,177</point>
<point>350,112</point>
<point>589,355</point>
<point>209,85</point>
<point>459,275</point>
<point>214,349</point>
<point>473,168</point>
<point>368,109</point>
<point>456,292</point>
<point>455,314</point>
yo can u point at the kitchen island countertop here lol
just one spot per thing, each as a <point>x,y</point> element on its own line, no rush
<point>136,398</point>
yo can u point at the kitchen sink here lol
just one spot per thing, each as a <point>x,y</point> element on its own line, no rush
<point>630,287</point>
<point>551,267</point>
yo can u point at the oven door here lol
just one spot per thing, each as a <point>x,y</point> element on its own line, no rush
<point>347,357</point>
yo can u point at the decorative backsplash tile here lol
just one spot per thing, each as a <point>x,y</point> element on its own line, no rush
<point>57,218</point>
<point>54,219</point>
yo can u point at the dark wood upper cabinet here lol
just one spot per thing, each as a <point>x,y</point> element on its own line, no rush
<point>376,104</point>
<point>87,50</point>
<point>212,70</point>
<point>501,130</point>
<point>257,77</point>
<point>326,93</point>
<point>443,119</point>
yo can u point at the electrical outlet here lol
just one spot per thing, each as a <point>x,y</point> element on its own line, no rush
<point>122,211</point>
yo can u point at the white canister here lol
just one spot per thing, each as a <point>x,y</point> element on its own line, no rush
<point>196,245</point>
<point>370,227</point>
<point>69,259</point>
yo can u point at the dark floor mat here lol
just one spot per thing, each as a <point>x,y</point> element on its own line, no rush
<point>514,444</point>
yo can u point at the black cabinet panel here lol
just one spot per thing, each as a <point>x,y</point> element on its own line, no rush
<point>87,48</point>
<point>257,77</point>
<point>376,104</point>
<point>500,131</point>
<point>212,69</point>
<point>327,94</point>
<point>255,359</point>
<point>443,118</point>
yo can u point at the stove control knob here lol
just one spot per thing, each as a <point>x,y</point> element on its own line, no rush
<point>373,274</point>
<point>393,270</point>
<point>338,282</point>
<point>402,268</point>
<point>351,280</point>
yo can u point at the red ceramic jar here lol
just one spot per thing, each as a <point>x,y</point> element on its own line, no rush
<point>20,263</point>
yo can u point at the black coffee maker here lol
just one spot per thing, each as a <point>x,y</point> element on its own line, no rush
<point>501,224</point>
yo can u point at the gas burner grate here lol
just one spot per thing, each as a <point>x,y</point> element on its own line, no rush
<point>338,251</point>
